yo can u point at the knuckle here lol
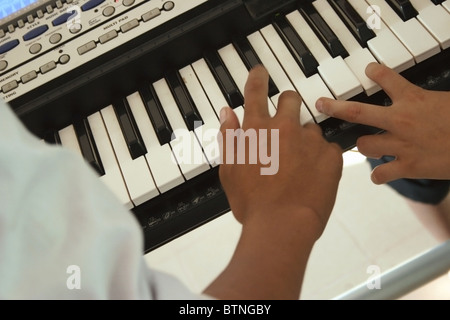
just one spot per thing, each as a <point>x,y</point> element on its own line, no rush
<point>362,144</point>
<point>256,84</point>
<point>289,98</point>
<point>353,112</point>
<point>403,121</point>
<point>290,95</point>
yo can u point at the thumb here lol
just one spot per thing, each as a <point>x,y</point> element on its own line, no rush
<point>228,121</point>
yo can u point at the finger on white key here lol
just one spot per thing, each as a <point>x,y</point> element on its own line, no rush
<point>112,178</point>
<point>251,60</point>
<point>310,88</point>
<point>138,179</point>
<point>277,73</point>
<point>165,172</point>
<point>238,71</point>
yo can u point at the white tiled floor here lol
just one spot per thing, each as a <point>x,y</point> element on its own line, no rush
<point>370,225</point>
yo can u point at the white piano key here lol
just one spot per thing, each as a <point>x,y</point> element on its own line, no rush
<point>386,47</point>
<point>69,139</point>
<point>359,57</point>
<point>212,90</point>
<point>207,133</point>
<point>239,72</point>
<point>210,85</point>
<point>411,33</point>
<point>239,111</point>
<point>165,172</point>
<point>337,25</point>
<point>334,72</point>
<point>138,179</point>
<point>186,148</point>
<point>421,4</point>
<point>276,72</point>
<point>446,5</point>
<point>278,75</point>
<point>435,19</point>
<point>310,88</point>
<point>113,176</point>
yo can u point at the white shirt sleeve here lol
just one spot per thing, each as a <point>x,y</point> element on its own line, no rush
<point>63,234</point>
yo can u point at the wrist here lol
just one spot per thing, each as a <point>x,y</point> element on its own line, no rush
<point>287,221</point>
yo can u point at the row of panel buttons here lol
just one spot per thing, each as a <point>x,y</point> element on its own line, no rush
<point>47,67</point>
<point>56,37</point>
<point>63,18</point>
<point>131,24</point>
<point>167,6</point>
<point>31,18</point>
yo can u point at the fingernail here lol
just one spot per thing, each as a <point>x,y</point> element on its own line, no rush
<point>319,105</point>
<point>223,115</point>
<point>374,178</point>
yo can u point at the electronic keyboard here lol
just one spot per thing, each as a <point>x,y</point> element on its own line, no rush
<point>117,81</point>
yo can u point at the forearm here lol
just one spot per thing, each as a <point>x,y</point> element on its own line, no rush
<point>270,259</point>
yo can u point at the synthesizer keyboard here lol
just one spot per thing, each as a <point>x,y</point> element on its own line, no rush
<point>124,75</point>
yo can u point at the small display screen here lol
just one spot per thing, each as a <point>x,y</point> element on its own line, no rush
<point>8,7</point>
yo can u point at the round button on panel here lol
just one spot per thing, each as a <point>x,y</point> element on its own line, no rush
<point>35,48</point>
<point>75,28</point>
<point>169,5</point>
<point>127,3</point>
<point>3,65</point>
<point>55,38</point>
<point>108,11</point>
<point>64,59</point>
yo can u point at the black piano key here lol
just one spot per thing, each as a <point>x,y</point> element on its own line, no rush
<point>404,8</point>
<point>296,46</point>
<point>251,59</point>
<point>184,101</point>
<point>128,125</point>
<point>226,83</point>
<point>88,146</point>
<point>156,114</point>
<point>436,2</point>
<point>323,31</point>
<point>354,22</point>
<point>52,137</point>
